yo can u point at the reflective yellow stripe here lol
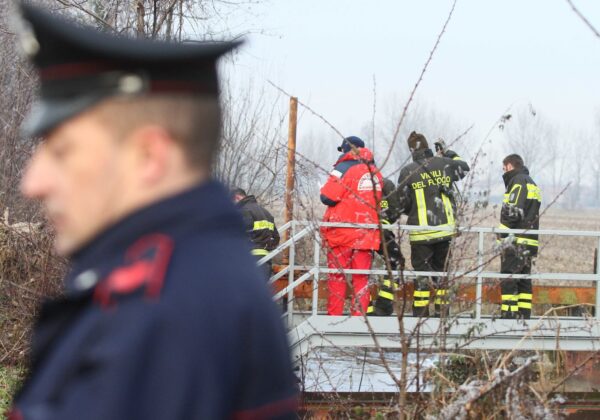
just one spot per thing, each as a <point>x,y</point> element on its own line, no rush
<point>385,222</point>
<point>421,293</point>
<point>456,158</point>
<point>387,283</point>
<point>511,308</point>
<point>263,224</point>
<point>260,252</point>
<point>440,292</point>
<point>534,192</point>
<point>527,241</point>
<point>421,207</point>
<point>420,303</point>
<point>383,204</point>
<point>370,308</point>
<point>386,295</point>
<point>514,192</point>
<point>440,301</point>
<point>501,226</point>
<point>523,296</point>
<point>525,305</point>
<point>510,297</point>
<point>448,209</point>
<point>424,235</point>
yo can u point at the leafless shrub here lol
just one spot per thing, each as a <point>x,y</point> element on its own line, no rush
<point>30,272</point>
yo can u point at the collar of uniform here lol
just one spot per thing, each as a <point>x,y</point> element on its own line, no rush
<point>508,176</point>
<point>422,154</point>
<point>207,204</point>
<point>364,155</point>
<point>246,199</point>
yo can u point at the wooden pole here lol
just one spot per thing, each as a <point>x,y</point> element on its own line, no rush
<point>291,166</point>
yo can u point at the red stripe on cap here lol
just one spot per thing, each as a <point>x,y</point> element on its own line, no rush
<point>68,70</point>
<point>14,414</point>
<point>274,409</point>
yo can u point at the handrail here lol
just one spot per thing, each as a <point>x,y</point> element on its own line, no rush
<point>285,245</point>
<point>313,271</point>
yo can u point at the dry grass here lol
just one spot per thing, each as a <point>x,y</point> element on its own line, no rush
<point>29,273</point>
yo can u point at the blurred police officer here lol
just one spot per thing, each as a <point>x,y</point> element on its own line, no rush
<point>520,210</point>
<point>157,248</point>
<point>260,226</point>
<point>383,305</point>
<point>426,188</point>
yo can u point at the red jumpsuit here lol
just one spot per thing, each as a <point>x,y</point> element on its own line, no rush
<point>352,194</point>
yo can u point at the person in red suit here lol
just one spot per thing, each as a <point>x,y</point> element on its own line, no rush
<point>352,194</point>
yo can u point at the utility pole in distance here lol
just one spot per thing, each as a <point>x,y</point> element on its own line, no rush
<point>291,166</point>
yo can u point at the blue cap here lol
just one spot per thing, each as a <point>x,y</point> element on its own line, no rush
<point>352,140</point>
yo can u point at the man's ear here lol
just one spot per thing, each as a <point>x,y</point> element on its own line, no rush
<point>152,148</point>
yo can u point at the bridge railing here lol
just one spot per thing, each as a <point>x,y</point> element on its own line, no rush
<point>299,230</point>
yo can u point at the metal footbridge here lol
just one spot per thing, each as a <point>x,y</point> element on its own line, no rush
<point>300,284</point>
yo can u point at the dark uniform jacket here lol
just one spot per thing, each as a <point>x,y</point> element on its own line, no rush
<point>426,191</point>
<point>141,332</point>
<point>260,226</point>
<point>390,204</point>
<point>521,207</point>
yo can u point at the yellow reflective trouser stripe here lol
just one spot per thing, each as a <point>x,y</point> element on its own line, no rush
<point>383,204</point>
<point>387,283</point>
<point>424,235</point>
<point>370,308</point>
<point>510,297</point>
<point>441,298</point>
<point>525,305</point>
<point>386,295</point>
<point>534,192</point>
<point>385,222</point>
<point>502,226</point>
<point>456,158</point>
<point>260,252</point>
<point>420,303</point>
<point>448,209</point>
<point>421,293</point>
<point>511,308</point>
<point>421,207</point>
<point>527,241</point>
<point>263,224</point>
<point>523,296</point>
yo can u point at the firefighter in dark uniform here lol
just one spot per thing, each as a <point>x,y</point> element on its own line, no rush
<point>390,212</point>
<point>260,226</point>
<point>520,210</point>
<point>427,194</point>
<point>164,313</point>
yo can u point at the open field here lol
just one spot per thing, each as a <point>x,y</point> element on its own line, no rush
<point>557,254</point>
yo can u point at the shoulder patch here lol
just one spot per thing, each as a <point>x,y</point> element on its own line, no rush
<point>366,182</point>
<point>145,267</point>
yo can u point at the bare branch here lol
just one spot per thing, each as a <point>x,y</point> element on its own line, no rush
<point>584,19</point>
